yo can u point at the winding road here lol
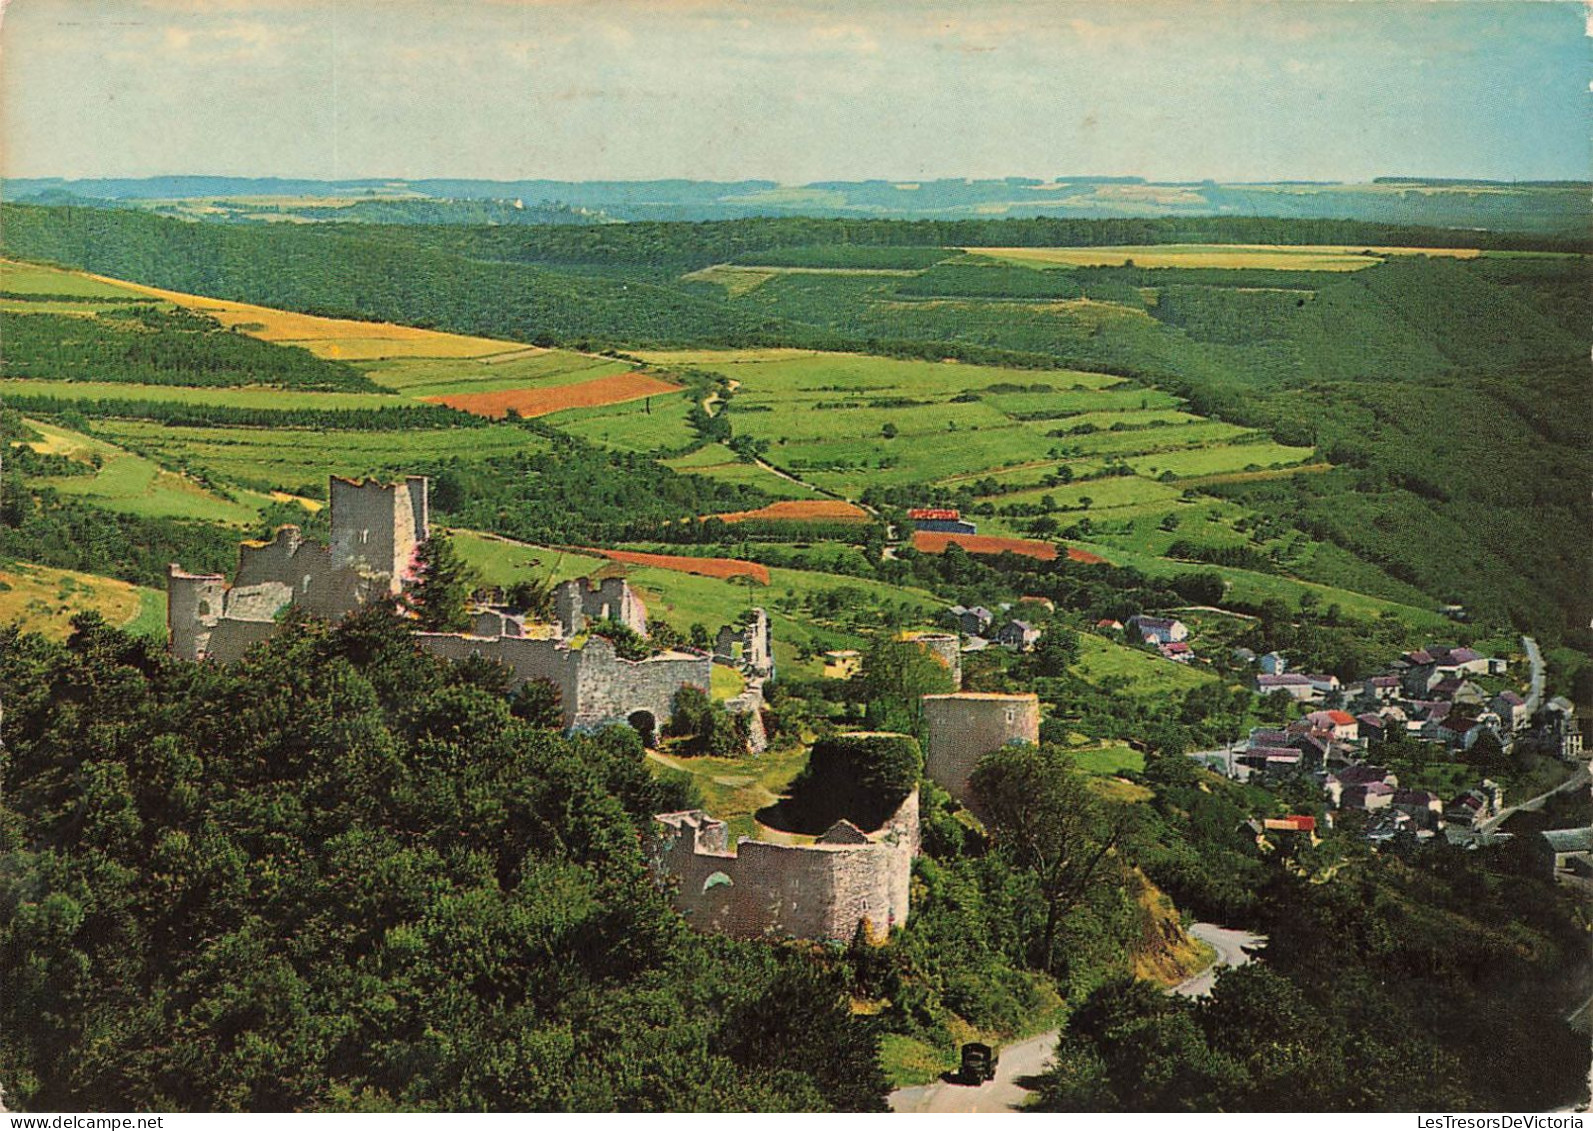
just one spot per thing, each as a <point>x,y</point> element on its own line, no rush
<point>1028,1058</point>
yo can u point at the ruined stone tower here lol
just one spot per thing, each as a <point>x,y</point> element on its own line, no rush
<point>970,724</point>
<point>747,647</point>
<point>945,647</point>
<point>194,603</point>
<point>578,601</point>
<point>377,526</point>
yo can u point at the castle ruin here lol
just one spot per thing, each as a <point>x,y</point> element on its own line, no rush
<point>945,647</point>
<point>966,726</point>
<point>759,890</point>
<point>376,530</point>
<point>749,647</point>
<point>578,601</point>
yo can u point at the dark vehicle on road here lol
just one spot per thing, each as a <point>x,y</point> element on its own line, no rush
<point>978,1064</point>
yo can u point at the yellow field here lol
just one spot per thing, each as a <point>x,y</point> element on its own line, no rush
<point>1279,257</point>
<point>43,600</point>
<point>340,339</point>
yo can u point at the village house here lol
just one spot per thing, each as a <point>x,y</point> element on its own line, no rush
<point>1017,634</point>
<point>1373,729</point>
<point>1340,782</point>
<point>1511,709</point>
<point>1566,850</point>
<point>1157,630</point>
<point>1340,725</point>
<point>1426,808</point>
<point>940,520</point>
<point>1273,663</point>
<point>1559,729</point>
<point>1381,688</point>
<point>1298,687</point>
<point>1178,651</point>
<point>1474,806</point>
<point>971,622</point>
<point>1324,684</point>
<point>1367,796</point>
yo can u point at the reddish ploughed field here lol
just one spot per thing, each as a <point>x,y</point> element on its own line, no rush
<point>801,510</point>
<point>599,391</point>
<point>930,542</point>
<point>706,567</point>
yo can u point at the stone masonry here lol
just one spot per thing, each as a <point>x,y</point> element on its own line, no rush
<point>376,528</point>
<point>970,724</point>
<point>596,687</point>
<point>759,890</point>
<point>945,647</point>
<point>578,601</point>
<point>748,647</point>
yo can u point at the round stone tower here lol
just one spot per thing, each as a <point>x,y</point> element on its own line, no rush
<point>945,647</point>
<point>970,724</point>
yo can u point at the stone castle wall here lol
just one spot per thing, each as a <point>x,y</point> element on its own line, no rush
<point>376,528</point>
<point>966,726</point>
<point>768,891</point>
<point>596,687</point>
<point>317,581</point>
<point>578,601</point>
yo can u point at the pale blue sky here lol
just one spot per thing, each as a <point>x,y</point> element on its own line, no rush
<point>795,91</point>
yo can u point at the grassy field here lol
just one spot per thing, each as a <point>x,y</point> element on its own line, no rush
<point>715,461</point>
<point>733,789</point>
<point>38,599</point>
<point>503,561</point>
<point>132,484</point>
<point>1111,759</point>
<point>32,279</point>
<point>530,368</point>
<point>848,421</point>
<point>301,459</point>
<point>1263,256</point>
<point>1142,673</point>
<point>656,424</point>
<point>258,398</point>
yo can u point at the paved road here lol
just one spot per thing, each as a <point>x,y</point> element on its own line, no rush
<point>1028,1058</point>
<point>1232,947</point>
<point>1576,780</point>
<point>1535,658</point>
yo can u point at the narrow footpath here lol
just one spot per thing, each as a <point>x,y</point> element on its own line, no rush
<point>1028,1058</point>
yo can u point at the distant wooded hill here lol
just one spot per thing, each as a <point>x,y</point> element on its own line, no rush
<point>1545,207</point>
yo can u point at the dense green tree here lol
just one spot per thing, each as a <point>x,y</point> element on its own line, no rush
<point>1043,813</point>
<point>440,598</point>
<point>895,675</point>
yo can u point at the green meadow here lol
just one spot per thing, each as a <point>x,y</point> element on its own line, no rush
<point>256,398</point>
<point>292,459</point>
<point>429,376</point>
